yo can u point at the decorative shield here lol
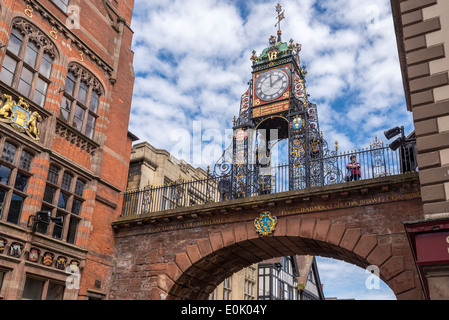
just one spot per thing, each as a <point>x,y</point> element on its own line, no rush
<point>2,245</point>
<point>19,116</point>
<point>15,250</point>
<point>266,223</point>
<point>33,255</point>
<point>297,123</point>
<point>60,263</point>
<point>47,259</point>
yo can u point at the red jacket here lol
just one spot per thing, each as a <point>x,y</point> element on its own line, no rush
<point>354,171</point>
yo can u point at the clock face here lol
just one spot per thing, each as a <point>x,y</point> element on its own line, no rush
<point>271,85</point>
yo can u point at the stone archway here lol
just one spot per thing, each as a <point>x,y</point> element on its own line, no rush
<point>198,270</point>
<point>185,253</point>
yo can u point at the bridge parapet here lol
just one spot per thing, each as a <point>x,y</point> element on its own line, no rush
<point>377,162</point>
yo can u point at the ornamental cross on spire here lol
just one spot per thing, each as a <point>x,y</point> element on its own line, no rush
<point>279,18</point>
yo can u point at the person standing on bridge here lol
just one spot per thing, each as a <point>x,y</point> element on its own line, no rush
<point>353,167</point>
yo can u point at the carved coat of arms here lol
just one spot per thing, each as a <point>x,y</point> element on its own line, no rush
<point>19,116</point>
<point>266,223</point>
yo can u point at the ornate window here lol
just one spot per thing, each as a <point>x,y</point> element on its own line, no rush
<point>28,61</point>
<point>81,100</point>
<point>63,197</point>
<point>15,165</point>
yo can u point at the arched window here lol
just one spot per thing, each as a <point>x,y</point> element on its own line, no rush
<point>15,166</point>
<point>81,99</point>
<point>63,197</point>
<point>28,61</point>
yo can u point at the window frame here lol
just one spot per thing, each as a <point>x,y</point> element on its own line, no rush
<point>74,105</point>
<point>64,232</point>
<point>46,282</point>
<point>37,79</point>
<point>10,188</point>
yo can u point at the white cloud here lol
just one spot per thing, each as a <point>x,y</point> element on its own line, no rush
<point>192,64</point>
<point>347,281</point>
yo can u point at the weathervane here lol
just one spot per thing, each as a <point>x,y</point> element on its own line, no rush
<point>280,17</point>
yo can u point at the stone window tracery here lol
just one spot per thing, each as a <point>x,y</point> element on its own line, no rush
<point>81,99</point>
<point>28,61</point>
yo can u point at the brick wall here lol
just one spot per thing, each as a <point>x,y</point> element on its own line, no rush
<point>102,46</point>
<point>422,29</point>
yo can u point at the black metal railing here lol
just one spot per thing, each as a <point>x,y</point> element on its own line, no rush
<point>375,162</point>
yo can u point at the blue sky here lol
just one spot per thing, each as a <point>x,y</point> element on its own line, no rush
<point>192,64</point>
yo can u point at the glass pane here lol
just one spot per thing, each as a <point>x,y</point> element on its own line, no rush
<point>5,172</point>
<point>65,108</point>
<point>70,83</point>
<point>21,182</point>
<point>66,181</point>
<point>33,289</point>
<point>41,92</point>
<point>53,174</point>
<point>90,125</point>
<point>15,41</point>
<point>9,152</point>
<point>2,275</point>
<point>79,188</point>
<point>25,161</point>
<point>82,93</point>
<point>15,209</point>
<point>2,200</point>
<point>46,65</point>
<point>55,292</point>
<point>78,119</point>
<point>49,194</point>
<point>57,228</point>
<point>26,78</point>
<point>73,226</point>
<point>94,102</point>
<point>76,206</point>
<point>31,54</point>
<point>8,69</point>
<point>62,4</point>
<point>63,200</point>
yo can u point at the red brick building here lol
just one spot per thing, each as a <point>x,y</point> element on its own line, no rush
<point>66,85</point>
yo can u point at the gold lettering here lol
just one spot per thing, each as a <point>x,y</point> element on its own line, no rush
<point>272,55</point>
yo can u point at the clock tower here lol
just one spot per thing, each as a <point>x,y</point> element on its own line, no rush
<point>276,107</point>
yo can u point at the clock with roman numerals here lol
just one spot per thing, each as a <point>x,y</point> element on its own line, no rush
<point>271,85</point>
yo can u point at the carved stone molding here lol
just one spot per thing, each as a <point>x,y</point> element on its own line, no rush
<point>35,35</point>
<point>69,35</point>
<point>87,77</point>
<point>75,137</point>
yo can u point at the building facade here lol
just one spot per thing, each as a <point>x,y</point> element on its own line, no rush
<point>284,278</point>
<point>66,85</point>
<point>422,31</point>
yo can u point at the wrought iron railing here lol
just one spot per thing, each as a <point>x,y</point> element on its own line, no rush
<point>375,162</point>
